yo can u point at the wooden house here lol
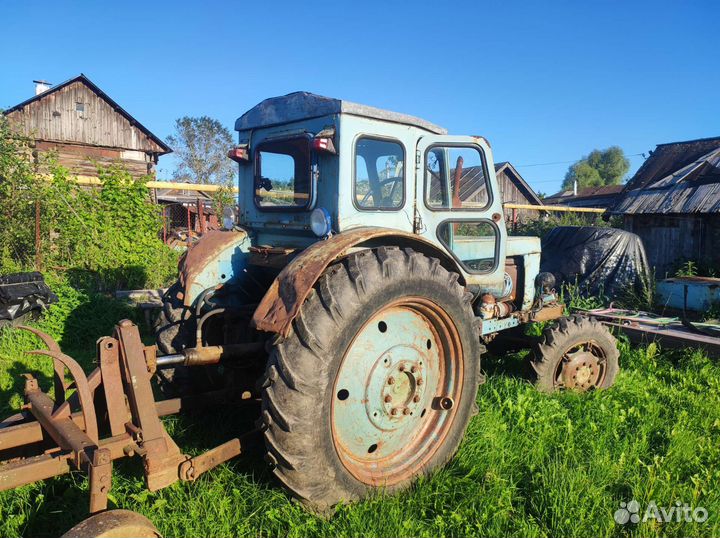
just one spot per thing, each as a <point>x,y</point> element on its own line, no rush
<point>673,203</point>
<point>85,127</point>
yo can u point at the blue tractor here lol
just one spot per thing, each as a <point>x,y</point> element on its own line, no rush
<point>366,267</point>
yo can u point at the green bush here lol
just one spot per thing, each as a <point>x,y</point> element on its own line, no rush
<point>105,237</point>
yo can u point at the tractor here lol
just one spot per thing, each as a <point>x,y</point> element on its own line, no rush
<point>351,292</point>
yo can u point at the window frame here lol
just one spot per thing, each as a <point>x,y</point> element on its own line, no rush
<point>462,264</point>
<point>354,172</point>
<point>483,159</point>
<point>311,160</point>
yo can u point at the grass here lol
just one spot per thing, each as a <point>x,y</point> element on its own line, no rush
<point>530,464</point>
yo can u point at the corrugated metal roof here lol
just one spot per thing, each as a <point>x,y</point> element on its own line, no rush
<point>692,188</point>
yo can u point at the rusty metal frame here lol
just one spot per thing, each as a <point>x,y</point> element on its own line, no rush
<point>63,432</point>
<point>282,301</point>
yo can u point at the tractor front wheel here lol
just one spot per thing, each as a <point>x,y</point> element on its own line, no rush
<point>577,354</point>
<point>376,383</point>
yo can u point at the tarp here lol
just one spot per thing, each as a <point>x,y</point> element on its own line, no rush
<point>23,293</point>
<point>604,261</point>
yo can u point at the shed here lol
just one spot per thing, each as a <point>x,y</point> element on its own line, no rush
<point>515,190</point>
<point>85,126</point>
<point>673,203</point>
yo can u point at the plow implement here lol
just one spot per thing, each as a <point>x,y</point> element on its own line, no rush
<point>109,414</point>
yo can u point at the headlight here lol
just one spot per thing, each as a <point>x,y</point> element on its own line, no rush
<point>320,222</point>
<point>228,218</point>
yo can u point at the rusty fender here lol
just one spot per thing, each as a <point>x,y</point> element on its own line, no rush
<point>287,293</point>
<point>204,263</point>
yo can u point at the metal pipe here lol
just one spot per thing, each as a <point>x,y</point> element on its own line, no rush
<point>201,323</point>
<point>203,356</point>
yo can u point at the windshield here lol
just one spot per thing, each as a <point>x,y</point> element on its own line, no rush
<point>282,173</point>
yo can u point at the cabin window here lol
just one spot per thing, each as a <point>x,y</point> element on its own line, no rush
<point>456,178</point>
<point>474,243</point>
<point>283,174</point>
<point>379,178</point>
<point>80,108</point>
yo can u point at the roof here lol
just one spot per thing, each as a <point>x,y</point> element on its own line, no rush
<point>669,157</point>
<point>181,196</point>
<point>686,187</point>
<point>519,182</point>
<point>586,193</point>
<point>87,82</point>
<point>304,105</point>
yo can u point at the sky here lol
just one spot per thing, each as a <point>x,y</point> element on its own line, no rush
<point>543,81</point>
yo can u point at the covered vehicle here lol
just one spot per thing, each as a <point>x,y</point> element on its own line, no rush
<point>23,295</point>
<point>604,261</point>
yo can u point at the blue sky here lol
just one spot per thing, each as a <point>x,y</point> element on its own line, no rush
<point>545,82</point>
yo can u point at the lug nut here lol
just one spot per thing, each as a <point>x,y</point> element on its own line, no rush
<point>416,398</point>
<point>393,411</point>
<point>388,399</point>
<point>406,411</point>
<point>414,369</point>
<point>401,367</point>
<point>391,380</point>
<point>420,381</point>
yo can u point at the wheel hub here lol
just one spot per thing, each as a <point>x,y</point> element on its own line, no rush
<point>581,371</point>
<point>402,391</point>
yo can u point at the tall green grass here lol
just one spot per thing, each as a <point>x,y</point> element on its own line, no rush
<point>530,464</point>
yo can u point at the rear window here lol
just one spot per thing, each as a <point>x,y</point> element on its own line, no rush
<point>282,173</point>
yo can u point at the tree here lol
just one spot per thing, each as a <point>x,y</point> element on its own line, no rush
<point>601,167</point>
<point>201,145</point>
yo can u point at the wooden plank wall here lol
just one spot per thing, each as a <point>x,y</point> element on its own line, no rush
<point>511,194</point>
<point>671,240</point>
<point>55,118</point>
<point>84,160</point>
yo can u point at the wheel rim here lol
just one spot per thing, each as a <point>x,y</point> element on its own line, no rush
<point>395,391</point>
<point>582,367</point>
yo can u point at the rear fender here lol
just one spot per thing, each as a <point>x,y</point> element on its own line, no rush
<point>214,259</point>
<point>283,300</point>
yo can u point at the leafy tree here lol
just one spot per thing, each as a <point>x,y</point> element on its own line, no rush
<point>201,145</point>
<point>600,167</point>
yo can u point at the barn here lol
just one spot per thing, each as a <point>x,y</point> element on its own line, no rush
<point>85,127</point>
<point>673,203</point>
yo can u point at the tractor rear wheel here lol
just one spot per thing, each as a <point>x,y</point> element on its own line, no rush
<point>377,380</point>
<point>578,354</point>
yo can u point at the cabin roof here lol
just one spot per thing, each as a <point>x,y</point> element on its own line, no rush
<point>305,105</point>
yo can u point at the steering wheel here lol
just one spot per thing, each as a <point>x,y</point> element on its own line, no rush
<point>381,183</point>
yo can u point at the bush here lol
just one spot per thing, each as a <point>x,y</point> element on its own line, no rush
<point>106,237</point>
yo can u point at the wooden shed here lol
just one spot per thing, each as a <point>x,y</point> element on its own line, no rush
<point>86,127</point>
<point>515,190</point>
<point>673,203</point>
